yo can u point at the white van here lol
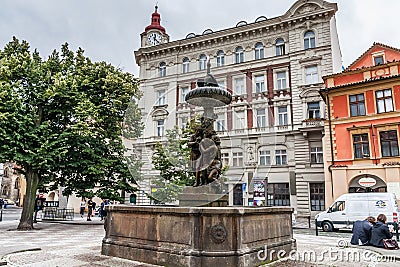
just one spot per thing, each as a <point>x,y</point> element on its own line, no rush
<point>349,208</point>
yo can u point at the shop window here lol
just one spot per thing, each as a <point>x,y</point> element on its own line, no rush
<point>278,194</point>
<point>317,196</point>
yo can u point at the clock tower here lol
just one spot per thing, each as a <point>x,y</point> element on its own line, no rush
<point>154,34</point>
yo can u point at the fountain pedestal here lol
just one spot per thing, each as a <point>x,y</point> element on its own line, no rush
<point>198,236</point>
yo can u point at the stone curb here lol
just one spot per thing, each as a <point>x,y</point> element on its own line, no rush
<point>4,261</point>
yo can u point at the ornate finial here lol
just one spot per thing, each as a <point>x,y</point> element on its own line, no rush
<point>156,7</point>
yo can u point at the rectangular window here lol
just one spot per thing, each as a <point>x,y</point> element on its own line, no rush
<point>316,155</point>
<point>184,121</point>
<point>160,128</point>
<point>265,157</point>
<point>225,159</point>
<point>239,86</point>
<point>281,80</point>
<point>389,144</point>
<point>240,121</point>
<point>313,110</point>
<point>311,75</point>
<point>237,159</point>
<point>282,116</point>
<point>360,146</point>
<point>261,118</point>
<point>280,157</point>
<point>220,124</point>
<point>161,97</point>
<point>317,196</point>
<point>260,83</point>
<point>384,100</point>
<point>357,105</point>
<point>278,194</point>
<point>184,91</point>
<point>378,60</point>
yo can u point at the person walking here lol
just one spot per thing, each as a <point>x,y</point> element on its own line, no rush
<point>90,209</point>
<point>103,212</point>
<point>362,231</point>
<point>82,207</point>
<point>380,231</point>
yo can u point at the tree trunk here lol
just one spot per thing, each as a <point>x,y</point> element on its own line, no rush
<point>32,181</point>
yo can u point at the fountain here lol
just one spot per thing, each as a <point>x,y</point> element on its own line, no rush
<point>198,233</point>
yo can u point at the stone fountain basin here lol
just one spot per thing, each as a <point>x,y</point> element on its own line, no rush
<point>209,96</point>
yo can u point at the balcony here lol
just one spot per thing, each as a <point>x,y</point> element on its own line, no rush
<point>313,123</point>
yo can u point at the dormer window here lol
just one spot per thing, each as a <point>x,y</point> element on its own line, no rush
<point>378,60</point>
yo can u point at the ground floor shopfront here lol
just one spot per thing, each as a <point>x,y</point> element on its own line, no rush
<point>362,178</point>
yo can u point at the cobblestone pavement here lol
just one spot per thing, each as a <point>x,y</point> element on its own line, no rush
<point>79,244</point>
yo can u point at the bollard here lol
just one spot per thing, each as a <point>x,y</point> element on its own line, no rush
<point>316,228</point>
<point>309,222</point>
<point>1,214</point>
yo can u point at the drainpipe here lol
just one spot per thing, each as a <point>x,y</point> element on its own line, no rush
<point>330,138</point>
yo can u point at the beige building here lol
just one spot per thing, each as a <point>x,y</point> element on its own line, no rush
<point>272,131</point>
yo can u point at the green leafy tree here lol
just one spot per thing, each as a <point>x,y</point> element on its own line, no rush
<point>172,160</point>
<point>61,122</point>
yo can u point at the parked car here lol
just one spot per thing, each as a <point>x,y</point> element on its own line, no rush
<point>349,208</point>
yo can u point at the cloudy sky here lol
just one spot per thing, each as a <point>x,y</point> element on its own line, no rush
<point>110,30</point>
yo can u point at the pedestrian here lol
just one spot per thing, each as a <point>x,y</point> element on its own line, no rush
<point>1,203</point>
<point>103,212</point>
<point>90,209</point>
<point>380,231</point>
<point>82,207</point>
<point>93,208</point>
<point>362,231</point>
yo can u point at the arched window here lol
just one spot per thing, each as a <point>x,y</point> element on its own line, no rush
<point>280,47</point>
<point>202,62</point>
<point>309,40</point>
<point>185,65</point>
<point>220,58</point>
<point>163,69</point>
<point>259,51</point>
<point>239,56</point>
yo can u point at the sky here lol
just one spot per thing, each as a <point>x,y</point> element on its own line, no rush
<point>110,30</point>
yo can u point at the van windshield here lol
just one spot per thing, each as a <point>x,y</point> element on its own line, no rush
<point>338,206</point>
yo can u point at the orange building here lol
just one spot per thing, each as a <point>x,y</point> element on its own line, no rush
<point>362,131</point>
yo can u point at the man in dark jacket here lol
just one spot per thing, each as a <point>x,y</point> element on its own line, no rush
<point>379,232</point>
<point>362,231</point>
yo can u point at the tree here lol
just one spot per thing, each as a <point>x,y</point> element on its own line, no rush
<point>61,121</point>
<point>172,160</point>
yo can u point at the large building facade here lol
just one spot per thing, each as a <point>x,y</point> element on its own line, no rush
<point>272,131</point>
<point>362,151</point>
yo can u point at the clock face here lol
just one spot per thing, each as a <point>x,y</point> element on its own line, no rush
<point>154,38</point>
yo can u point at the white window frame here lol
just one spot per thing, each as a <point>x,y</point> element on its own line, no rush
<point>161,98</point>
<point>264,157</point>
<point>283,116</point>
<point>309,40</point>
<point>239,55</point>
<point>160,127</point>
<point>311,74</point>
<point>261,119</point>
<point>225,158</point>
<point>239,80</point>
<point>183,122</point>
<point>240,120</point>
<point>220,123</point>
<point>237,159</point>
<point>280,47</point>
<point>318,154</point>
<point>184,91</point>
<point>259,51</point>
<point>281,82</point>
<point>259,83</point>
<point>314,110</point>
<point>280,157</point>
<point>162,69</point>
<point>202,62</point>
<point>220,58</point>
<point>185,65</point>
